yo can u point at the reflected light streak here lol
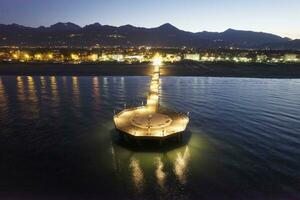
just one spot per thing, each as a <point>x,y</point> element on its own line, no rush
<point>96,91</point>
<point>3,99</point>
<point>137,174</point>
<point>54,90</point>
<point>181,165</point>
<point>64,79</point>
<point>34,107</point>
<point>105,86</point>
<point>122,84</point>
<point>31,89</point>
<point>2,89</point>
<point>20,86</point>
<point>53,84</point>
<point>113,153</point>
<point>159,173</point>
<point>54,96</point>
<point>76,92</point>
<point>43,82</point>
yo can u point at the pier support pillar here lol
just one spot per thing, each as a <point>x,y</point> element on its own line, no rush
<point>121,135</point>
<point>160,142</point>
<point>179,137</point>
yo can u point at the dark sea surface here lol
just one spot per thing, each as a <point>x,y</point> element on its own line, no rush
<point>57,139</point>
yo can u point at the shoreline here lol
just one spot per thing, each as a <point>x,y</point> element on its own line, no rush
<point>185,68</point>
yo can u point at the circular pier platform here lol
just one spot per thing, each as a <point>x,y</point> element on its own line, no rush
<point>142,122</point>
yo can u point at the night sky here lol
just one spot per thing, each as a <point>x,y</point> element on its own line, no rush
<point>275,16</point>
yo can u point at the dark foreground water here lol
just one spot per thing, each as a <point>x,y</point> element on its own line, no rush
<point>57,140</point>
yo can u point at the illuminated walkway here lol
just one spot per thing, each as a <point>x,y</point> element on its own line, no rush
<point>151,121</point>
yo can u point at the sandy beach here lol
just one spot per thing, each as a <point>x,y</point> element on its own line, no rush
<point>186,68</point>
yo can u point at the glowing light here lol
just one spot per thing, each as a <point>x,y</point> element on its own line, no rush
<point>74,57</point>
<point>50,56</point>
<point>157,60</point>
<point>27,57</point>
<point>93,57</point>
<point>38,56</point>
<point>15,56</point>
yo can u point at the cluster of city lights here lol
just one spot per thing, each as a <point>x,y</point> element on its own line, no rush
<point>140,56</point>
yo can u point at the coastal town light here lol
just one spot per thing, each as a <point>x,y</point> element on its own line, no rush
<point>38,56</point>
<point>74,57</point>
<point>50,55</point>
<point>134,56</point>
<point>15,56</point>
<point>26,55</point>
<point>94,57</point>
<point>157,60</point>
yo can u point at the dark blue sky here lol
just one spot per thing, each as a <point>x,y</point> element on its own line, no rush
<point>275,16</point>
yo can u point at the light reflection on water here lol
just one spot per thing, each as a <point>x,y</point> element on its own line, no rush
<point>96,92</point>
<point>21,90</point>
<point>137,174</point>
<point>54,91</point>
<point>243,139</point>
<point>181,165</point>
<point>3,100</point>
<point>76,91</point>
<point>160,173</point>
<point>33,101</point>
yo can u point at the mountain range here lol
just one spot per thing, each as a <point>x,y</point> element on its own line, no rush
<point>166,35</point>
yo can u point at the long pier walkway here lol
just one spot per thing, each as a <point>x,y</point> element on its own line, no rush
<point>150,121</point>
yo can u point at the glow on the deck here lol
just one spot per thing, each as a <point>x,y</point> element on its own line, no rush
<point>148,120</point>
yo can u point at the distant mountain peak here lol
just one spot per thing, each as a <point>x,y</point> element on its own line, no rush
<point>42,28</point>
<point>127,26</point>
<point>64,24</point>
<point>68,26</point>
<point>16,25</point>
<point>95,25</point>
<point>168,26</point>
<point>230,30</point>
